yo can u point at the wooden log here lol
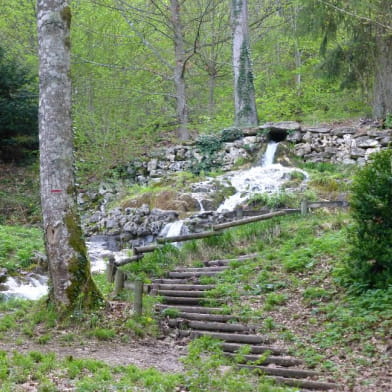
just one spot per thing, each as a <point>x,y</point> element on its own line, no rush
<point>222,262</point>
<point>271,359</point>
<point>307,384</point>
<point>174,274</point>
<point>228,337</point>
<point>183,300</point>
<point>145,249</point>
<point>190,309</point>
<point>208,326</point>
<point>185,287</point>
<point>330,204</point>
<point>111,269</point>
<point>304,207</point>
<point>119,279</point>
<point>249,220</point>
<point>202,269</point>
<point>127,260</point>
<point>181,293</point>
<point>138,297</point>
<point>282,372</point>
<point>176,281</point>
<point>233,347</point>
<point>187,237</point>
<point>222,318</point>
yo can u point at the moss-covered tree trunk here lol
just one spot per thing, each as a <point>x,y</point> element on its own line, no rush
<point>69,268</point>
<point>244,91</point>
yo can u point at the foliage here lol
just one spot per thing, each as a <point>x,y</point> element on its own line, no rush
<point>18,245</point>
<point>371,206</point>
<point>18,110</point>
<point>231,135</point>
<point>208,146</point>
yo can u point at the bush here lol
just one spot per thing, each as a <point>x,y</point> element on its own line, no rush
<point>371,203</point>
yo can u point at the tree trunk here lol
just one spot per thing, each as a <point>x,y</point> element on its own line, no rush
<point>244,92</point>
<point>179,70</point>
<point>382,101</point>
<point>69,268</point>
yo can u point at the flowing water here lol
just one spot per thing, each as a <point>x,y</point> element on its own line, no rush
<point>267,178</point>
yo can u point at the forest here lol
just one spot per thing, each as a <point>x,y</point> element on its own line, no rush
<point>195,195</point>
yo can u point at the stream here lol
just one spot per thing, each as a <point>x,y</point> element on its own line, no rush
<point>268,177</point>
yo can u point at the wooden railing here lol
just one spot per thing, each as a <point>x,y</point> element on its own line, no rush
<point>116,275</point>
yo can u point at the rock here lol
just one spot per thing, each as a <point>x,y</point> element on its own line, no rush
<point>3,275</point>
<point>366,142</point>
<point>281,126</point>
<point>318,130</point>
<point>340,131</point>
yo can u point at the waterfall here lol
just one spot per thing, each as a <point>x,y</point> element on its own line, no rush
<point>269,155</point>
<point>267,178</point>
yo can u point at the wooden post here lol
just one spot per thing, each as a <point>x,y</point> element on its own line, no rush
<point>119,278</point>
<point>138,297</point>
<point>111,269</point>
<point>304,207</point>
<point>239,212</point>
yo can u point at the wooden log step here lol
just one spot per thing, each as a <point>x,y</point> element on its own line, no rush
<point>282,372</point>
<point>183,286</point>
<point>211,263</point>
<point>190,309</point>
<point>195,275</point>
<point>271,359</point>
<point>228,337</point>
<point>222,318</point>
<point>183,300</point>
<point>307,384</point>
<point>233,347</point>
<point>201,269</point>
<point>208,326</point>
<point>181,293</point>
<point>175,281</point>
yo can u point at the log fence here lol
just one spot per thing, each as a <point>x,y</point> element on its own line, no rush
<point>119,277</point>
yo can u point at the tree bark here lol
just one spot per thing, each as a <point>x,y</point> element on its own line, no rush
<point>179,71</point>
<point>382,101</point>
<point>244,92</point>
<point>69,268</point>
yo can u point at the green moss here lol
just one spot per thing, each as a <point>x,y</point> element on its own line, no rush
<point>82,291</point>
<point>66,15</point>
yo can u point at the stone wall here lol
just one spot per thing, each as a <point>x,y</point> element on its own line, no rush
<point>337,144</point>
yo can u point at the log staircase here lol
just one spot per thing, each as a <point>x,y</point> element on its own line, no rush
<point>184,311</point>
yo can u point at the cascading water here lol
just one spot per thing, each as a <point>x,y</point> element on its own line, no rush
<point>269,155</point>
<point>267,178</point>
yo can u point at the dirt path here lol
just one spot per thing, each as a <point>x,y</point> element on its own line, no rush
<point>147,353</point>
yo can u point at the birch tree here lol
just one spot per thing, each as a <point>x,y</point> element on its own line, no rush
<point>244,91</point>
<point>69,268</point>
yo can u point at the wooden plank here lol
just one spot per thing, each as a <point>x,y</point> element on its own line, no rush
<point>271,359</point>
<point>254,349</point>
<point>127,260</point>
<point>307,384</point>
<point>250,220</point>
<point>187,237</point>
<point>208,326</point>
<point>282,372</point>
<point>228,337</point>
<point>190,309</point>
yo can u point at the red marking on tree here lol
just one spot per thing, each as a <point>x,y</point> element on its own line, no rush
<point>56,191</point>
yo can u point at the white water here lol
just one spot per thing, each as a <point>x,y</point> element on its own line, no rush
<point>267,178</point>
<point>174,229</point>
<point>269,155</point>
<point>35,286</point>
<point>32,287</point>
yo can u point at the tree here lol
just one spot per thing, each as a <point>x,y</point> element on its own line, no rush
<point>362,51</point>
<point>18,110</point>
<point>371,208</point>
<point>69,267</point>
<point>244,92</point>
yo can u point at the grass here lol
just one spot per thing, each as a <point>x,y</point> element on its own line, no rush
<point>18,245</point>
